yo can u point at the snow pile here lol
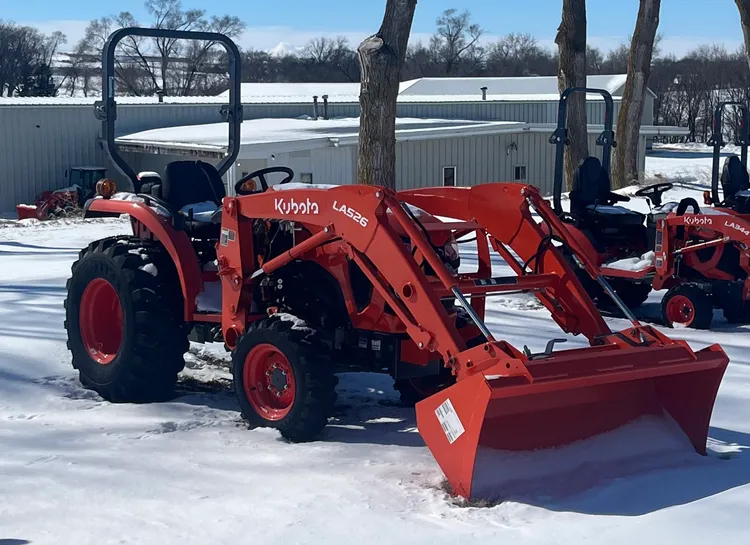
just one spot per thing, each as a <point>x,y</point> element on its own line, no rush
<point>132,197</point>
<point>57,223</point>
<point>643,445</point>
<point>633,264</point>
<point>150,268</point>
<point>297,323</point>
<point>124,196</point>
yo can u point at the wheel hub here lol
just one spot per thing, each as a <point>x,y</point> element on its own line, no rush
<point>681,310</point>
<point>277,380</point>
<point>269,382</point>
<point>101,321</point>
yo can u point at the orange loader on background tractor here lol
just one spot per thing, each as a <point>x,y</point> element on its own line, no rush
<point>316,280</point>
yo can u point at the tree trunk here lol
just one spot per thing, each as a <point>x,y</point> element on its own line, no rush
<point>625,171</point>
<point>571,43</point>
<point>381,58</point>
<point>744,7</point>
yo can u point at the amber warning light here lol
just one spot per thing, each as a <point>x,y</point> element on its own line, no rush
<point>105,188</point>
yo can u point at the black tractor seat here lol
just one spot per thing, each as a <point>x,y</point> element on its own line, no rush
<point>195,190</point>
<point>735,183</point>
<point>592,202</point>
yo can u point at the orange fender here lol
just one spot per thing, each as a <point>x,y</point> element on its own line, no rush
<point>149,224</point>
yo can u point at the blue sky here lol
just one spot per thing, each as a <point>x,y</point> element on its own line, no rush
<point>684,23</point>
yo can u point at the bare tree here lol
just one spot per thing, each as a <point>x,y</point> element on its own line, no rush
<point>173,67</point>
<point>629,120</point>
<point>571,43</point>
<point>518,55</point>
<point>594,60</point>
<point>26,58</point>
<point>456,38</point>
<point>616,61</point>
<point>381,58</point>
<point>332,59</point>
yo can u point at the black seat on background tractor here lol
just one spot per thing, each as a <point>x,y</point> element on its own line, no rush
<point>193,182</point>
<point>592,200</point>
<point>735,183</point>
<point>734,177</point>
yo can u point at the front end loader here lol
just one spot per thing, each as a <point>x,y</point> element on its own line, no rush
<point>304,281</point>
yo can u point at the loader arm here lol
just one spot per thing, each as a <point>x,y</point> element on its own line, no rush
<point>505,210</point>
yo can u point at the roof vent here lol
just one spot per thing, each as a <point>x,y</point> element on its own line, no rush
<point>484,93</point>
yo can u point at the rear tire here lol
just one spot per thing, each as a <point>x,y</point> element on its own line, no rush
<point>283,380</point>
<point>124,320</point>
<point>689,305</point>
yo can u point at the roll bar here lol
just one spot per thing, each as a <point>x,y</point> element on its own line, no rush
<point>717,142</point>
<point>106,109</point>
<point>560,137</point>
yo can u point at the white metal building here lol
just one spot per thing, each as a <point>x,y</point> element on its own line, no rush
<point>42,137</point>
<point>428,151</point>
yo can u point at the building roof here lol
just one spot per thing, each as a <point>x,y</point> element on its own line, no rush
<point>262,136</point>
<point>526,89</point>
<point>518,89</point>
<point>285,135</point>
<point>545,86</point>
<point>89,101</point>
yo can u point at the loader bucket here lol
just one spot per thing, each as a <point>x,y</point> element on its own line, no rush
<point>26,211</point>
<point>476,428</point>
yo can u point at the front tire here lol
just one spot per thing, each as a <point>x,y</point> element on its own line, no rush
<point>283,380</point>
<point>124,320</point>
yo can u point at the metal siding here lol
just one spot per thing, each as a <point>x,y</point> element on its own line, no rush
<point>648,110</point>
<point>38,145</point>
<point>333,165</point>
<point>34,159</point>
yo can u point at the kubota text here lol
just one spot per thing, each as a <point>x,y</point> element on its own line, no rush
<point>282,206</point>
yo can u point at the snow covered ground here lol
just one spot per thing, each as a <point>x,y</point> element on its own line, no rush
<point>75,469</point>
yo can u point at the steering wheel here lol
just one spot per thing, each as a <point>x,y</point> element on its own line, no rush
<point>261,175</point>
<point>654,192</point>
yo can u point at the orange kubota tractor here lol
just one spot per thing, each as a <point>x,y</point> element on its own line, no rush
<point>314,280</point>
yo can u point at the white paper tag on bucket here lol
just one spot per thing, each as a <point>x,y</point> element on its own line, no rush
<point>449,421</point>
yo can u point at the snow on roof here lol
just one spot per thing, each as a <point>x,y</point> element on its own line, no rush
<point>517,89</point>
<point>541,85</point>
<point>307,131</point>
<point>529,89</point>
<point>89,101</point>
